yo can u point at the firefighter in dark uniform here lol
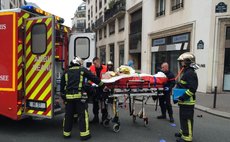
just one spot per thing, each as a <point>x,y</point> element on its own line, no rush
<point>165,100</point>
<point>74,96</point>
<point>186,102</point>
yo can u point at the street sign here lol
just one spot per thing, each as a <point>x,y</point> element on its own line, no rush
<point>221,7</point>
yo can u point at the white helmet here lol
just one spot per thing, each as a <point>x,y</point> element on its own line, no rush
<point>109,63</point>
<point>187,57</point>
<point>77,61</point>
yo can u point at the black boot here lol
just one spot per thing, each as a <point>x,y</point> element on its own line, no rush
<point>182,140</point>
<point>178,135</point>
<point>85,137</point>
<point>95,120</point>
<point>171,120</point>
<point>161,117</point>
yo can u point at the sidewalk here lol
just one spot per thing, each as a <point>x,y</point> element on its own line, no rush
<point>204,102</point>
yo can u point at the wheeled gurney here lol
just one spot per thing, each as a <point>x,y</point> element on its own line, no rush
<point>133,88</point>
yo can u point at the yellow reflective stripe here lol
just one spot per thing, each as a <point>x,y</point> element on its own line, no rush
<point>63,123</point>
<point>189,137</point>
<point>73,68</point>
<point>66,80</point>
<point>180,131</point>
<point>100,84</point>
<point>187,103</point>
<point>189,93</point>
<point>83,134</point>
<point>73,96</point>
<point>80,83</point>
<point>86,121</point>
<point>66,133</point>
<point>183,82</point>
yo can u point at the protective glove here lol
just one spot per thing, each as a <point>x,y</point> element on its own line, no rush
<point>175,101</point>
<point>166,89</point>
<point>183,98</point>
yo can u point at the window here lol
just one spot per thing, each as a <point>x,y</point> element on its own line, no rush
<point>228,33</point>
<point>38,35</point>
<point>88,1</point>
<point>102,55</point>
<point>160,8</point>
<point>111,53</point>
<point>121,55</point>
<point>91,11</point>
<point>100,34</point>
<point>112,28</point>
<point>100,4</point>
<point>177,4</point>
<point>105,1</point>
<point>121,24</point>
<point>82,47</point>
<point>96,6</point>
<point>105,31</point>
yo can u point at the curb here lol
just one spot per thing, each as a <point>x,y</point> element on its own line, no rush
<point>212,111</point>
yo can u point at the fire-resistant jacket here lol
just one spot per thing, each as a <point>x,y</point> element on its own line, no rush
<point>189,81</point>
<point>73,80</point>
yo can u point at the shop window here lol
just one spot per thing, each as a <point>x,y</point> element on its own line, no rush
<point>160,8</point>
<point>38,36</point>
<point>177,4</point>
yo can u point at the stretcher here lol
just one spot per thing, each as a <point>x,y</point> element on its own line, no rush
<point>133,88</point>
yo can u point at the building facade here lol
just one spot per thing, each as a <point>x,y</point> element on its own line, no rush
<point>107,19</point>
<point>9,4</point>
<point>79,19</point>
<point>160,30</point>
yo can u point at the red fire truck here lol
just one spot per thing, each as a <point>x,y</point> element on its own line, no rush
<point>35,50</point>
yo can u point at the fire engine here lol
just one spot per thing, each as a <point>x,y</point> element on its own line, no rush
<point>36,48</point>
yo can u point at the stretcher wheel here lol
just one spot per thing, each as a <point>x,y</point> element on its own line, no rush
<point>134,118</point>
<point>106,123</point>
<point>146,121</point>
<point>116,128</point>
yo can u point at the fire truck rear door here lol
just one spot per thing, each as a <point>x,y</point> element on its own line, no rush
<point>39,66</point>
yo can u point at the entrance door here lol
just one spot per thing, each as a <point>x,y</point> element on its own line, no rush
<point>226,86</point>
<point>39,66</point>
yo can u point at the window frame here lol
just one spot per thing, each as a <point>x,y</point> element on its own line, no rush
<point>88,46</point>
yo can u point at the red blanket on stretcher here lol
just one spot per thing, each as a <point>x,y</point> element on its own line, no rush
<point>136,81</point>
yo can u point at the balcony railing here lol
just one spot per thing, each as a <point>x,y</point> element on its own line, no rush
<point>117,7</point>
<point>178,6</point>
<point>160,13</point>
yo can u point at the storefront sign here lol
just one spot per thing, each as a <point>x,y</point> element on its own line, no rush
<point>157,42</point>
<point>200,45</point>
<point>221,7</point>
<point>180,38</point>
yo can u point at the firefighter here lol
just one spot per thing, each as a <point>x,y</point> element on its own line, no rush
<point>98,69</point>
<point>186,102</point>
<point>165,101</point>
<point>74,96</point>
<point>110,66</point>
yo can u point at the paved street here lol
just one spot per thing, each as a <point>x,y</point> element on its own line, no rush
<point>208,128</point>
